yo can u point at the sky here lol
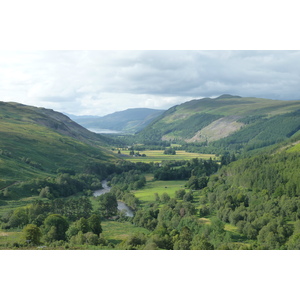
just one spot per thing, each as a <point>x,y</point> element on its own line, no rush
<point>100,82</point>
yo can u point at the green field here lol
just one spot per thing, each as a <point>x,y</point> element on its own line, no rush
<point>170,187</point>
<point>115,232</point>
<point>7,238</point>
<point>158,156</point>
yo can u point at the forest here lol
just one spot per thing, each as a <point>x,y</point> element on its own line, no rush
<point>234,204</point>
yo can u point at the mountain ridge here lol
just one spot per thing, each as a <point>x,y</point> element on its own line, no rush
<point>127,121</point>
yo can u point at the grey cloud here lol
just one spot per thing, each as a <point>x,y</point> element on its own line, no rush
<point>98,81</point>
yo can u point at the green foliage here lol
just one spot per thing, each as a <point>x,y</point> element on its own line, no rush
<point>182,127</point>
<point>133,242</point>
<point>94,222</point>
<point>108,205</point>
<point>32,234</point>
<point>183,240</point>
<point>185,169</point>
<point>200,242</point>
<point>170,151</point>
<point>180,194</point>
<point>87,238</point>
<point>73,208</point>
<point>55,227</point>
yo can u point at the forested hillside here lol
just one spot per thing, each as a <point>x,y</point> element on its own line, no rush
<point>227,122</point>
<point>261,197</point>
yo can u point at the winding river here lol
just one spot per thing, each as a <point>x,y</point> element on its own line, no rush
<point>121,205</point>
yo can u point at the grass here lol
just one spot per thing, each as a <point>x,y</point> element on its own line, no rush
<point>170,187</point>
<point>13,204</point>
<point>115,232</point>
<point>294,148</point>
<point>159,156</point>
<point>30,150</point>
<point>8,238</point>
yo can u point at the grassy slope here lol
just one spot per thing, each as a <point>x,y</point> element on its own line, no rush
<point>29,149</point>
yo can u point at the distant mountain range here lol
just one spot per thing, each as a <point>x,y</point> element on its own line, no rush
<point>128,121</point>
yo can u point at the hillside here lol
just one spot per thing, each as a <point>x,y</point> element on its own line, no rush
<point>127,121</point>
<point>227,120</point>
<point>36,142</point>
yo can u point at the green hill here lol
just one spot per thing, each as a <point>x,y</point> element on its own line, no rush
<point>35,142</point>
<point>128,121</point>
<point>227,121</point>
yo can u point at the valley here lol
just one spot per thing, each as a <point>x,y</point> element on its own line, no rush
<point>209,174</point>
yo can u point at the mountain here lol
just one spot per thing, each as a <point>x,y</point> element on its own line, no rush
<point>36,142</point>
<point>227,121</point>
<point>128,121</point>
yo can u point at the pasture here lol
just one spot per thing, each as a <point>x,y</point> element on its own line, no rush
<point>159,156</point>
<point>115,232</point>
<point>146,194</point>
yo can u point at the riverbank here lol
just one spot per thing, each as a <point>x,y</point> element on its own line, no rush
<point>121,205</point>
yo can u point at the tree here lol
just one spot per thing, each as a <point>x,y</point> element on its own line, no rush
<point>179,194</point>
<point>91,239</point>
<point>94,222</point>
<point>45,193</point>
<point>108,205</point>
<point>55,227</point>
<point>170,151</point>
<point>193,183</point>
<point>83,225</point>
<point>32,234</point>
<point>183,241</point>
<point>200,242</point>
<point>165,197</point>
<point>294,242</point>
<point>202,182</point>
<point>18,218</point>
<point>188,197</point>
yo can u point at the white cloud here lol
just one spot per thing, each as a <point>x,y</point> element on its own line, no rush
<point>101,82</point>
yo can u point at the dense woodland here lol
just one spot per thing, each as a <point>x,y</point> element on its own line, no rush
<point>259,196</point>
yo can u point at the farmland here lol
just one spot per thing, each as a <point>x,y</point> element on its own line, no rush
<point>159,156</point>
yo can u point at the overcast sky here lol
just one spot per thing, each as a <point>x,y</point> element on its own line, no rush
<point>102,82</point>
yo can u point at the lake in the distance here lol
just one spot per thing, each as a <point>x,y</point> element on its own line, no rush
<point>99,130</point>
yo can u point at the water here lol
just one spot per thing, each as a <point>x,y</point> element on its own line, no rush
<point>108,131</point>
<point>105,189</point>
<point>121,205</point>
<point>128,210</point>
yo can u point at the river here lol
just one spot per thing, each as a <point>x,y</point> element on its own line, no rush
<point>121,205</point>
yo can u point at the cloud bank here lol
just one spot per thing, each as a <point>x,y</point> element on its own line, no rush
<point>101,82</point>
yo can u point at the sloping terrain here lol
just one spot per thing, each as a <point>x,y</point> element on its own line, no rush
<point>227,120</point>
<point>127,121</point>
<point>217,129</point>
<point>36,142</point>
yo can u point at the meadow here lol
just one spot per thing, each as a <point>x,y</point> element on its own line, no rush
<point>9,238</point>
<point>115,232</point>
<point>146,194</point>
<point>159,156</point>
